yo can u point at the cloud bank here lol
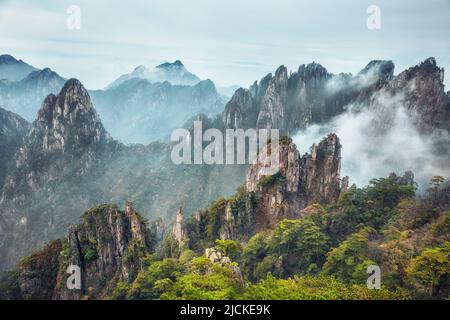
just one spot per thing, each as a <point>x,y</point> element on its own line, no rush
<point>380,139</point>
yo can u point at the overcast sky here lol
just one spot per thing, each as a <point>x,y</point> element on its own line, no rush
<point>228,41</point>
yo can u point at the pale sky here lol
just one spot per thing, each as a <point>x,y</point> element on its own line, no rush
<point>228,41</point>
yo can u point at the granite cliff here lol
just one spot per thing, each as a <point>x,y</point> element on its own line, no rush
<point>265,200</point>
<point>107,245</point>
<point>312,95</point>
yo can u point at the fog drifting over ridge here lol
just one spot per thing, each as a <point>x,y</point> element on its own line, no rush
<point>380,139</point>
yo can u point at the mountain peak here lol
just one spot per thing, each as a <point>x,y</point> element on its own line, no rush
<point>426,67</point>
<point>178,63</point>
<point>429,66</point>
<point>140,68</point>
<point>69,120</point>
<point>8,59</point>
<point>13,69</point>
<point>175,73</point>
<point>175,64</point>
<point>73,98</point>
<point>74,84</point>
<point>430,61</point>
<point>312,69</point>
<point>107,227</point>
<point>377,71</point>
<point>44,74</point>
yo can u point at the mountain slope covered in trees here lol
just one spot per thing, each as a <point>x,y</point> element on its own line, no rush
<point>243,248</point>
<point>66,161</point>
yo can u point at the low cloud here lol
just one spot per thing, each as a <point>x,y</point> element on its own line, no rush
<point>381,139</point>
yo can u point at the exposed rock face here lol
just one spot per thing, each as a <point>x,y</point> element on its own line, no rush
<point>12,130</point>
<point>300,181</point>
<point>107,244</point>
<point>320,171</point>
<point>67,127</point>
<point>67,140</point>
<point>312,95</point>
<point>273,104</point>
<point>216,256</point>
<point>240,110</point>
<point>38,273</point>
<point>69,121</point>
<point>315,176</point>
<point>67,162</point>
<point>423,95</point>
<point>307,102</point>
<point>178,231</point>
<point>289,166</point>
<point>158,229</point>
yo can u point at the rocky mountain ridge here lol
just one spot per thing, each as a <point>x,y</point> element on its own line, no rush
<point>107,244</point>
<point>12,69</point>
<point>69,162</point>
<point>25,95</point>
<point>140,111</point>
<point>12,130</point>
<point>312,95</point>
<point>111,244</point>
<point>264,201</point>
<point>174,73</point>
<point>142,107</point>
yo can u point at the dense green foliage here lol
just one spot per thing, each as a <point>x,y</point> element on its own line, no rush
<point>201,279</point>
<point>325,255</point>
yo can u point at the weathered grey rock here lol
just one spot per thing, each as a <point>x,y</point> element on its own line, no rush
<point>107,244</point>
<point>240,111</point>
<point>12,130</point>
<point>300,181</point>
<point>274,102</point>
<point>67,162</point>
<point>313,95</point>
<point>24,96</point>
<point>268,199</point>
<point>216,256</point>
<point>421,90</point>
<point>178,230</point>
<point>158,229</point>
<point>320,171</point>
<point>37,273</point>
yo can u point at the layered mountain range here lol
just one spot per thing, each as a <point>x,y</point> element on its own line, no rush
<point>313,95</point>
<point>66,161</point>
<point>23,96</point>
<point>112,244</point>
<point>140,107</point>
<point>296,222</point>
<point>375,113</point>
<point>12,69</point>
<point>175,73</point>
